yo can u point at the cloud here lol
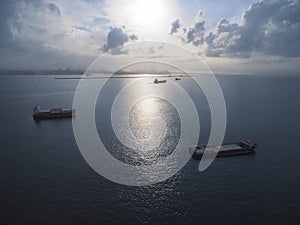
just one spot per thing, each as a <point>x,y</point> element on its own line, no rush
<point>101,20</point>
<point>175,26</point>
<point>117,37</point>
<point>83,28</point>
<point>269,27</point>
<point>133,37</point>
<point>25,19</point>
<point>196,34</point>
<point>6,12</point>
<point>224,39</point>
<point>50,33</point>
<point>42,6</point>
<point>54,9</point>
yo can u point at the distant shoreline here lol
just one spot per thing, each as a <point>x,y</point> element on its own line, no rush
<point>79,72</point>
<point>70,72</point>
<point>42,72</point>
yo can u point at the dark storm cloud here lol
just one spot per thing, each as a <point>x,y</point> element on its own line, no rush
<point>269,27</point>
<point>117,37</point>
<point>175,26</point>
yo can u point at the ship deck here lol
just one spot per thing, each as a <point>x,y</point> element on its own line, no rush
<point>224,148</point>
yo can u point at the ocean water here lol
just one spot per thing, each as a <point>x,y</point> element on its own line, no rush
<point>45,180</point>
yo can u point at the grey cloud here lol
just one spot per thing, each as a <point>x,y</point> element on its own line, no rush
<point>12,38</point>
<point>175,26</point>
<point>99,4</point>
<point>7,9</point>
<point>196,34</point>
<point>26,40</point>
<point>282,37</point>
<point>117,37</point>
<point>269,27</point>
<point>101,21</point>
<point>224,39</point>
<point>82,28</point>
<point>38,30</point>
<point>42,6</point>
<point>225,26</point>
<point>11,21</point>
<point>53,9</point>
<point>133,37</point>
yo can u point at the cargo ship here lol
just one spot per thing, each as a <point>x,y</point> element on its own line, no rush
<point>55,113</point>
<point>233,149</point>
<point>156,81</point>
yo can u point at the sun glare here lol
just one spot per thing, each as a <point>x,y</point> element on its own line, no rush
<point>147,13</point>
<point>148,19</point>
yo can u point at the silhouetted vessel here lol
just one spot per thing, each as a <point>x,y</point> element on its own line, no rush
<point>239,148</point>
<point>55,113</point>
<point>156,81</point>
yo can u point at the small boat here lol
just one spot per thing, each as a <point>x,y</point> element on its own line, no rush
<point>177,78</point>
<point>234,149</point>
<point>159,81</point>
<point>55,113</point>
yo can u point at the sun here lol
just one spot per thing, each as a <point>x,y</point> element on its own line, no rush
<point>147,13</point>
<point>148,19</point>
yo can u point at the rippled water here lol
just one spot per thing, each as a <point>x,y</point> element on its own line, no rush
<point>44,179</point>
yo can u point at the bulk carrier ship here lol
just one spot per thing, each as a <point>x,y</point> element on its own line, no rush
<point>239,148</point>
<point>55,113</point>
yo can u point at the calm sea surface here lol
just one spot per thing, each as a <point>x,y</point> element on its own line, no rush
<point>45,180</point>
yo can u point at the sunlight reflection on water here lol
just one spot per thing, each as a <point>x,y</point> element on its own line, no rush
<point>153,119</point>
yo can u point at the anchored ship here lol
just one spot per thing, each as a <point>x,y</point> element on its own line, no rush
<point>156,81</point>
<point>55,113</point>
<point>233,149</point>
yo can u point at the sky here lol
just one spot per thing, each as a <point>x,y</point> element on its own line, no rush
<point>233,36</point>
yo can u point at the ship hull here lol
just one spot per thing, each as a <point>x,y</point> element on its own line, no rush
<point>56,113</point>
<point>51,116</point>
<point>226,150</point>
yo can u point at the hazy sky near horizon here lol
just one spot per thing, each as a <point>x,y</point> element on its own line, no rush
<point>240,36</point>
